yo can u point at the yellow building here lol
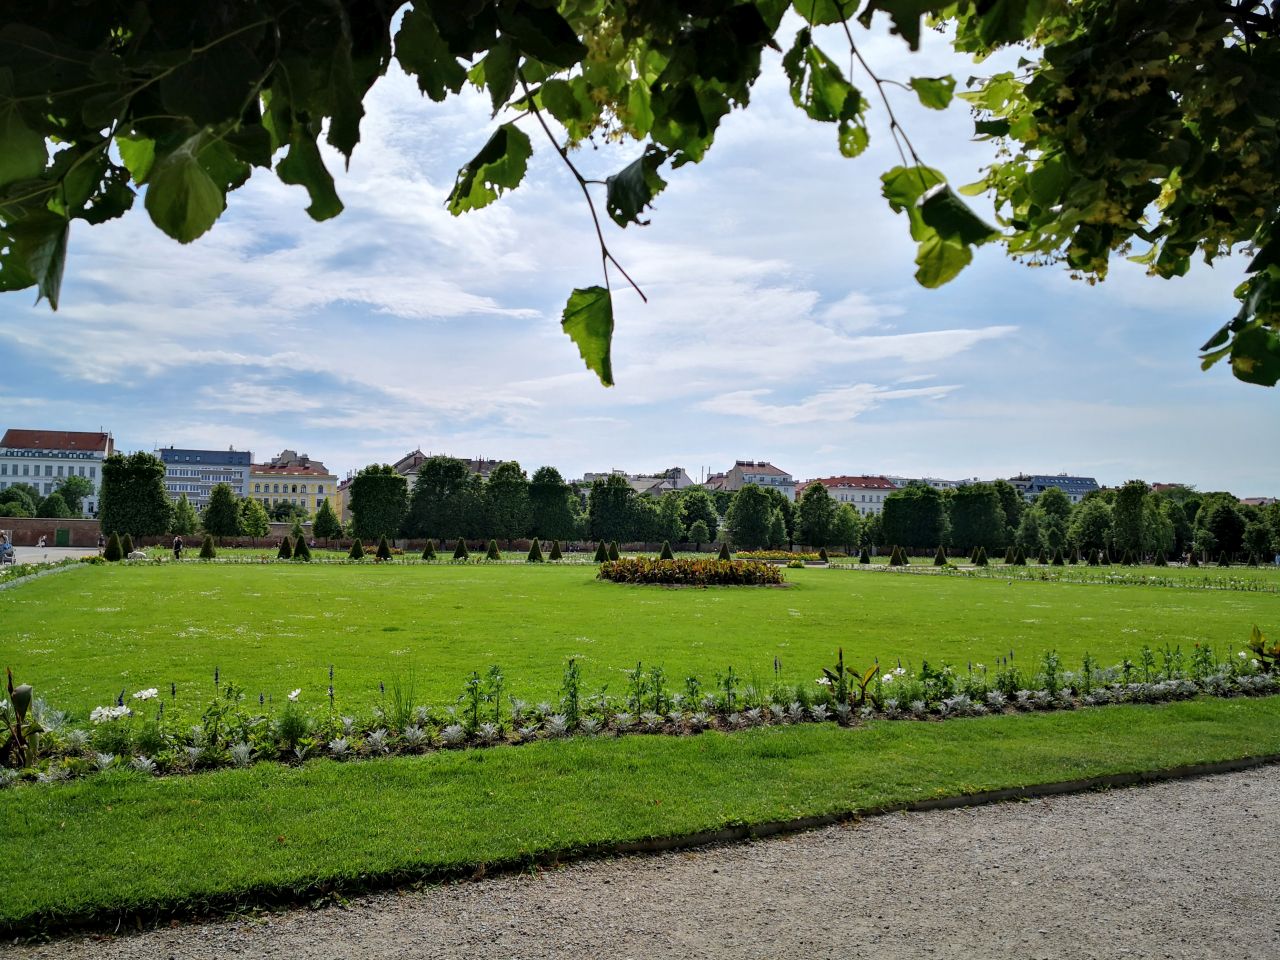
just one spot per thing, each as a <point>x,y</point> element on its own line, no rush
<point>290,478</point>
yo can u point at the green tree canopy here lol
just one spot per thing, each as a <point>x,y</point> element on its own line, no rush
<point>977,516</point>
<point>915,516</point>
<point>1128,518</point>
<point>22,494</point>
<point>1221,518</point>
<point>54,507</point>
<point>699,505</point>
<point>254,521</point>
<point>670,519</point>
<point>75,490</point>
<point>551,506</point>
<point>185,521</point>
<point>1090,527</point>
<point>221,518</point>
<point>609,507</point>
<point>749,516</point>
<point>379,498</point>
<point>327,526</point>
<point>1133,129</point>
<point>133,498</point>
<point>816,514</point>
<point>507,495</point>
<point>846,528</point>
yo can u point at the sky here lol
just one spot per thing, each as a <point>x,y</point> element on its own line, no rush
<point>783,322</point>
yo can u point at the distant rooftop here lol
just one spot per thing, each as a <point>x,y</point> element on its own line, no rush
<point>54,440</point>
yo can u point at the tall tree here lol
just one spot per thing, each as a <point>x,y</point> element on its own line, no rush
<point>254,522</point>
<point>671,517</point>
<point>184,520</point>
<point>977,517</point>
<point>221,517</point>
<point>1128,517</point>
<point>326,526</point>
<point>816,514</point>
<point>437,507</point>
<point>53,507</point>
<point>507,491</point>
<point>379,498</point>
<point>609,508</point>
<point>777,530</point>
<point>1055,515</point>
<point>846,528</point>
<point>1220,517</point>
<point>915,516</point>
<point>551,506</point>
<point>1030,532</point>
<point>1012,503</point>
<point>24,494</point>
<point>1090,527</point>
<point>699,505</point>
<point>749,517</point>
<point>75,490</point>
<point>133,498</point>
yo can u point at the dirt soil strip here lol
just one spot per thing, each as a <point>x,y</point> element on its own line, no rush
<point>1186,868</point>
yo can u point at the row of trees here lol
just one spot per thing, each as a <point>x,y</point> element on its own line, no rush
<point>62,503</point>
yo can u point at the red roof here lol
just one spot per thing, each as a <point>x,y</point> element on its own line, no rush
<point>861,483</point>
<point>55,440</point>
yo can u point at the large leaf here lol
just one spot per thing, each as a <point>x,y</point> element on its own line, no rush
<point>588,320</point>
<point>22,150</point>
<point>952,218</point>
<point>500,165</point>
<point>633,188</point>
<point>304,167</point>
<point>938,261</point>
<point>182,198</point>
<point>934,92</point>
<point>905,14</point>
<point>138,154</point>
<point>541,32</point>
<point>40,247</point>
<point>423,53</point>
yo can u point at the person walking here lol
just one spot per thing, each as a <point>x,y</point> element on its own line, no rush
<point>177,547</point>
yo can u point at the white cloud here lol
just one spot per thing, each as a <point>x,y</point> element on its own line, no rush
<point>839,404</point>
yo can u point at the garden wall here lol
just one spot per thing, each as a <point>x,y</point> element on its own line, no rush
<point>26,531</point>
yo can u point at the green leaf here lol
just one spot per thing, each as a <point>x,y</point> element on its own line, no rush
<point>905,14</point>
<point>498,69</point>
<point>588,320</point>
<point>541,32</point>
<point>904,186</point>
<point>934,92</point>
<point>500,165</point>
<point>1255,356</point>
<point>1047,181</point>
<point>633,188</point>
<point>952,218</point>
<point>853,138</point>
<point>940,260</point>
<point>138,154</point>
<point>561,99</point>
<point>182,198</point>
<point>22,150</point>
<point>40,247</point>
<point>423,53</point>
<point>304,167</point>
<point>822,12</point>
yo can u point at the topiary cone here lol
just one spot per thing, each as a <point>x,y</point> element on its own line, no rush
<point>301,551</point>
<point>429,551</point>
<point>114,550</point>
<point>556,553</point>
<point>602,552</point>
<point>286,549</point>
<point>864,556</point>
<point>206,548</point>
<point>460,551</point>
<point>357,550</point>
<point>127,545</point>
<point>724,552</point>
<point>822,555</point>
<point>492,552</point>
<point>940,558</point>
<point>614,553</point>
<point>980,560</point>
<point>535,552</point>
<point>666,553</point>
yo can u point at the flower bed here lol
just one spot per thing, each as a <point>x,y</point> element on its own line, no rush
<point>153,731</point>
<point>691,573</point>
<point>783,555</point>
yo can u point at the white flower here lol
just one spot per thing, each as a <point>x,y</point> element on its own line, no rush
<point>146,694</point>
<point>107,714</point>
<point>295,694</point>
<point>823,681</point>
<point>1242,655</point>
<point>1253,663</point>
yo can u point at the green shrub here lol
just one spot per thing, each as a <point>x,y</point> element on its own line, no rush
<point>1194,561</point>
<point>556,553</point>
<point>897,557</point>
<point>301,551</point>
<point>1058,559</point>
<point>126,544</point>
<point>206,548</point>
<point>1019,558</point>
<point>822,555</point>
<point>491,552</point>
<point>776,555</point>
<point>940,558</point>
<point>113,551</point>
<point>614,553</point>
<point>1160,560</point>
<point>691,572</point>
<point>602,552</point>
<point>666,553</point>
<point>980,558</point>
<point>1223,559</point>
<point>460,551</point>
<point>1075,555</point>
<point>1106,557</point>
<point>535,552</point>
<point>1042,558</point>
<point>357,550</point>
<point>1094,559</point>
<point>864,556</point>
<point>429,551</point>
<point>1253,560</point>
<point>286,549</point>
<point>384,549</point>
<point>724,553</point>
<point>1010,555</point>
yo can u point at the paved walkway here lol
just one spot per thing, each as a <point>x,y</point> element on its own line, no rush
<point>51,554</point>
<point>1178,870</point>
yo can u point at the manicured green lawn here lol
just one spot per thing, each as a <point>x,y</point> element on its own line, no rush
<point>83,636</point>
<point>121,842</point>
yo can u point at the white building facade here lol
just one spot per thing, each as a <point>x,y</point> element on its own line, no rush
<point>864,494</point>
<point>43,458</point>
<point>197,472</point>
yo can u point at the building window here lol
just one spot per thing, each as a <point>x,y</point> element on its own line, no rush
<point>93,472</point>
<point>319,488</point>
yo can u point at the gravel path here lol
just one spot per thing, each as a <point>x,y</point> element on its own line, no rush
<point>1182,869</point>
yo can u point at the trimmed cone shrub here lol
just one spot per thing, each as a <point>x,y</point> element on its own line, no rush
<point>384,549</point>
<point>1058,559</point>
<point>666,553</point>
<point>864,556</point>
<point>556,554</point>
<point>492,552</point>
<point>286,549</point>
<point>1253,560</point>
<point>724,552</point>
<point>602,552</point>
<point>206,547</point>
<point>1106,557</point>
<point>614,553</point>
<point>940,558</point>
<point>1042,558</point>
<point>114,551</point>
<point>126,544</point>
<point>301,551</point>
<point>460,551</point>
<point>429,551</point>
<point>1223,559</point>
<point>357,550</point>
<point>980,558</point>
<point>1019,558</point>
<point>897,558</point>
<point>1010,555</point>
<point>1093,558</point>
<point>535,552</point>
<point>822,555</point>
<point>1160,560</point>
<point>1194,561</point>
<point>1075,555</point>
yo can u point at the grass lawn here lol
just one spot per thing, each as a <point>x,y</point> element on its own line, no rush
<point>82,636</point>
<point>122,842</point>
